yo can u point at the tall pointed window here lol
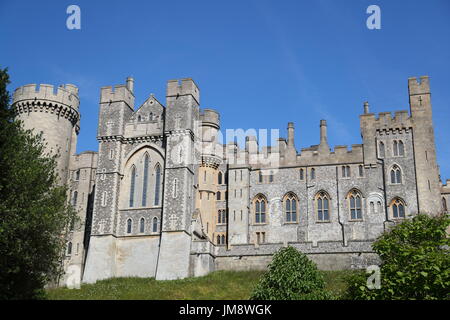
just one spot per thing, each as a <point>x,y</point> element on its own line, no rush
<point>157,183</point>
<point>218,195</point>
<point>129,225</point>
<point>361,170</point>
<point>381,149</point>
<point>155,224</point>
<point>69,248</point>
<point>444,204</point>
<point>75,198</point>
<point>399,148</point>
<point>302,174</point>
<point>290,207</point>
<point>313,174</point>
<point>132,185</point>
<point>260,205</point>
<point>77,175</point>
<point>354,198</point>
<point>145,180</point>
<point>396,175</point>
<point>271,176</point>
<point>323,206</point>
<point>260,176</point>
<point>346,171</point>
<point>142,225</point>
<point>219,178</point>
<point>398,208</point>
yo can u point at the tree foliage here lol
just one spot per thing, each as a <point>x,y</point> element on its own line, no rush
<point>291,276</point>
<point>33,208</point>
<point>415,262</point>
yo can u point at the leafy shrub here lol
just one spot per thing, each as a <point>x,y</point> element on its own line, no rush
<point>415,262</point>
<point>291,276</point>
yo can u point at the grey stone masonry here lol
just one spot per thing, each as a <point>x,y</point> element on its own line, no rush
<point>167,197</point>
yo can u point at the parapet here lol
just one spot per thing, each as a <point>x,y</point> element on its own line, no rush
<point>183,87</point>
<point>421,86</point>
<point>117,93</point>
<point>64,94</point>
<point>386,121</point>
<point>210,117</point>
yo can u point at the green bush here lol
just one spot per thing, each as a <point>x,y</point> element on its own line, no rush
<point>291,276</point>
<point>415,262</point>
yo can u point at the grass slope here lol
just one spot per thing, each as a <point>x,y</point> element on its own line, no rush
<point>219,285</point>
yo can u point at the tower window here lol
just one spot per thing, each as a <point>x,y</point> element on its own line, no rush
<point>145,182</point>
<point>260,204</point>
<point>346,171</point>
<point>396,175</point>
<point>155,224</point>
<point>398,208</point>
<point>129,225</point>
<point>157,183</point>
<point>302,174</point>
<point>381,149</point>
<point>361,170</point>
<point>132,186</point>
<point>290,207</point>
<point>354,198</point>
<point>142,225</point>
<point>323,206</point>
<point>313,174</point>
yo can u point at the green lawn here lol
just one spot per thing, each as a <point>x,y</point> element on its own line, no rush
<point>219,285</point>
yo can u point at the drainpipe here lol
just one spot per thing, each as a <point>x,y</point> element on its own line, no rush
<point>338,207</point>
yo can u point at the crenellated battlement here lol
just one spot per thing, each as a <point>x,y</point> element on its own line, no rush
<point>210,117</point>
<point>183,87</point>
<point>117,93</point>
<point>64,94</point>
<point>385,121</point>
<point>418,86</point>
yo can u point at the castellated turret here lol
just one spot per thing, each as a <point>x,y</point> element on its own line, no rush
<point>55,113</point>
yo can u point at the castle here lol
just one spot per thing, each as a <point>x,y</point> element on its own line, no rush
<point>164,197</point>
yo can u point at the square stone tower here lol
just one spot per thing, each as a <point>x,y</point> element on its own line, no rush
<point>182,159</point>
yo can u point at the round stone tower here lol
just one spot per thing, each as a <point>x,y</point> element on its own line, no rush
<point>54,112</point>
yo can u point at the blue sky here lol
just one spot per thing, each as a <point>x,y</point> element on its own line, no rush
<point>260,63</point>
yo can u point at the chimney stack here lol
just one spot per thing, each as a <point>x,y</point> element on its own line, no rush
<point>323,147</point>
<point>366,107</point>
<point>130,84</point>
<point>290,129</point>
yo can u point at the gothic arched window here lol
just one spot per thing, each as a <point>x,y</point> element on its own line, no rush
<point>218,195</point>
<point>132,185</point>
<point>290,207</point>
<point>219,178</point>
<point>69,248</point>
<point>361,170</point>
<point>77,175</point>
<point>396,175</point>
<point>313,173</point>
<point>129,225</point>
<point>155,224</point>
<point>354,199</point>
<point>157,183</point>
<point>302,174</point>
<point>398,208</point>
<point>345,171</point>
<point>75,198</point>
<point>323,206</point>
<point>260,204</point>
<point>142,225</point>
<point>381,149</point>
<point>145,180</point>
<point>223,239</point>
